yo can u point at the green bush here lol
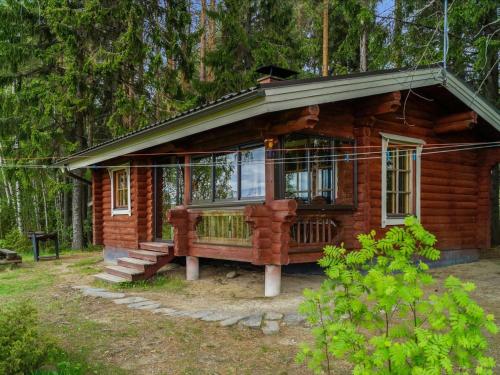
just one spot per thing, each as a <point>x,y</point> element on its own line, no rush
<point>373,312</point>
<point>16,241</point>
<point>23,349</point>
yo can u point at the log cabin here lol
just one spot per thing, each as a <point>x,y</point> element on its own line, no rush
<point>272,174</point>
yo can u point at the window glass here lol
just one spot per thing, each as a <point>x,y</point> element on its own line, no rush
<point>398,180</point>
<point>226,176</point>
<point>252,173</point>
<point>321,168</point>
<point>313,172</point>
<point>201,178</point>
<point>120,189</point>
<point>296,168</point>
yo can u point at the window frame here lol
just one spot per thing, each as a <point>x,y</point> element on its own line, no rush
<point>125,210</point>
<point>227,201</point>
<point>415,177</point>
<point>309,205</point>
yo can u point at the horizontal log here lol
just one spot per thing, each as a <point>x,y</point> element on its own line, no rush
<point>454,127</point>
<point>470,116</point>
<point>447,197</point>
<point>241,254</point>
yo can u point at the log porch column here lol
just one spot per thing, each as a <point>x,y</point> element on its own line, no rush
<point>362,133</point>
<point>97,209</point>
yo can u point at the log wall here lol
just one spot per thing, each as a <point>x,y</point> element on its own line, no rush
<point>455,186</point>
<point>124,231</point>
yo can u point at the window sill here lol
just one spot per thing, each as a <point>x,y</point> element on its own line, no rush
<point>328,207</point>
<point>225,203</point>
<point>117,212</point>
<point>394,220</point>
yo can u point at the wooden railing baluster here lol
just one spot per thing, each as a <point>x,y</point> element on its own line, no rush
<point>312,230</point>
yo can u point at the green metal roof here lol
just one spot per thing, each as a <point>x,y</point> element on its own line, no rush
<point>281,96</point>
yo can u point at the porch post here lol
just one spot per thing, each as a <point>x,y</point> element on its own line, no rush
<point>192,268</point>
<point>272,280</point>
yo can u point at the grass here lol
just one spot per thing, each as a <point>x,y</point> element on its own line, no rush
<point>158,283</point>
<point>87,266</point>
<point>35,282</point>
<point>23,279</point>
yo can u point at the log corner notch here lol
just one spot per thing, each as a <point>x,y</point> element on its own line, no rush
<point>294,120</point>
<point>381,104</point>
<point>456,122</point>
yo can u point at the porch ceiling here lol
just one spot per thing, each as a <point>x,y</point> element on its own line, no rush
<point>277,97</point>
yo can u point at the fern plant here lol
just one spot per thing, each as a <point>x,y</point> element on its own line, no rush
<point>372,310</point>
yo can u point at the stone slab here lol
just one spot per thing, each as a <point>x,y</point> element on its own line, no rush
<point>149,307</point>
<point>216,316</point>
<point>270,327</point>
<point>293,319</point>
<point>103,294</point>
<point>252,321</point>
<point>129,300</point>
<point>140,304</point>
<point>163,310</point>
<point>273,315</point>
<point>232,320</point>
<point>198,314</point>
<point>82,287</point>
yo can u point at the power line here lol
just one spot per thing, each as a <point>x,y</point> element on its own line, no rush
<point>279,160</point>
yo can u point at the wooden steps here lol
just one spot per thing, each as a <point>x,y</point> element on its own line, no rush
<point>140,264</point>
<point>162,247</point>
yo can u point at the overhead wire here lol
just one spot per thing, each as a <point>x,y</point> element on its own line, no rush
<point>275,160</point>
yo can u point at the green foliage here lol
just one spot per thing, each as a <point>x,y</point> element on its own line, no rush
<point>16,241</point>
<point>373,311</point>
<point>23,347</point>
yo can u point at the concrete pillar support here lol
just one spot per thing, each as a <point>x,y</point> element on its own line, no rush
<point>192,268</point>
<point>272,281</point>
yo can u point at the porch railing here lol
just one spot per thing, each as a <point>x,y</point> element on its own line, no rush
<point>311,230</point>
<point>223,227</point>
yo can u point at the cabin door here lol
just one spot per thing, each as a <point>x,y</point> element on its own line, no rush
<point>168,193</point>
<point>495,206</point>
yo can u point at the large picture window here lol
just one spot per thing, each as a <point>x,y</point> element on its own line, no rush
<point>234,175</point>
<point>318,170</point>
<point>120,190</point>
<point>400,178</point>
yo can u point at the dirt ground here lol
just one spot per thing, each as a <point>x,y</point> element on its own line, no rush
<point>117,340</point>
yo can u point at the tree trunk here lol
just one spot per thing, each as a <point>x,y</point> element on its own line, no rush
<point>211,39</point>
<point>363,46</point>
<point>397,33</point>
<point>19,221</point>
<point>77,242</point>
<point>66,207</point>
<point>324,69</point>
<point>45,207</point>
<point>203,40</point>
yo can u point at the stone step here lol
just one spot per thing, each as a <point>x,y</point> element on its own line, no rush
<point>163,247</point>
<point>146,255</point>
<point>108,278</point>
<point>135,263</point>
<point>130,274</point>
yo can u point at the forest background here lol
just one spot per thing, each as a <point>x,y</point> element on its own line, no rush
<point>75,73</point>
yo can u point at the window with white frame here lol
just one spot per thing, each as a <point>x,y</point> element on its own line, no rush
<point>120,190</point>
<point>400,178</point>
